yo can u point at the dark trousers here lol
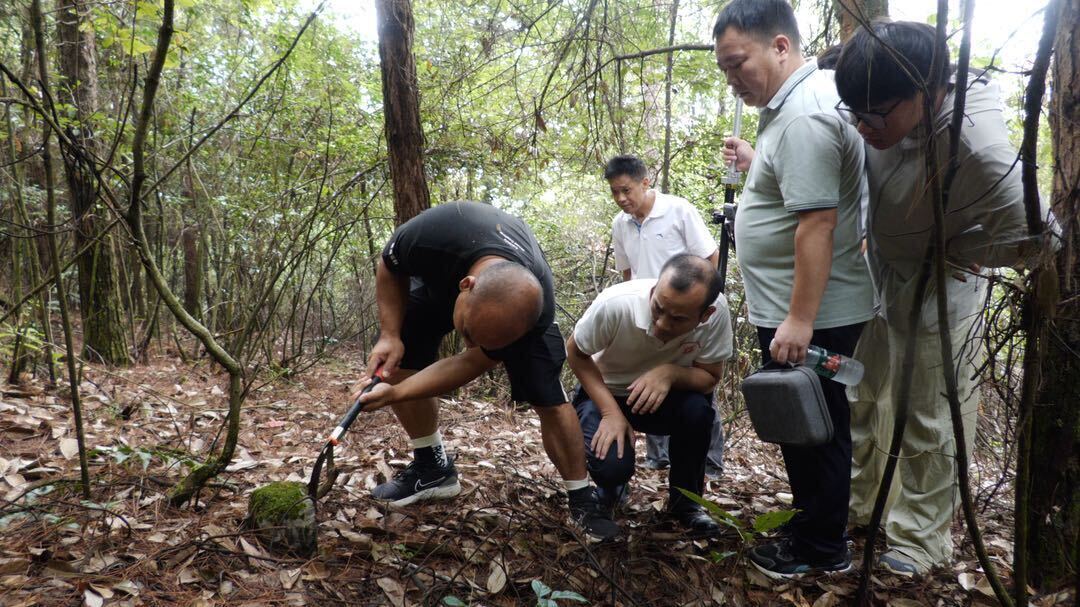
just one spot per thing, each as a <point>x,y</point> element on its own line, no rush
<point>820,477</point>
<point>656,447</point>
<point>686,417</point>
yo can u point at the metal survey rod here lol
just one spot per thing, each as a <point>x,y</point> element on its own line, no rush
<point>731,178</point>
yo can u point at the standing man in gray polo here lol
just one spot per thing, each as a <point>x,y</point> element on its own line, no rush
<point>798,249</point>
<point>652,228</point>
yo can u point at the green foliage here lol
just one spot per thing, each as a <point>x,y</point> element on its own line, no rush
<point>762,524</point>
<point>123,454</point>
<point>546,597</point>
<point>719,557</point>
<point>771,521</point>
<point>28,336</point>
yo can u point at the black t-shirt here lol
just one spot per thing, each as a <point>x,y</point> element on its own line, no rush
<point>440,245</point>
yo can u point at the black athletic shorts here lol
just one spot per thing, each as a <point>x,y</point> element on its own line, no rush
<point>533,362</point>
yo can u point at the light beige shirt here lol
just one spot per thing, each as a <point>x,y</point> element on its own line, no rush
<point>807,158</point>
<point>984,219</point>
<point>616,330</point>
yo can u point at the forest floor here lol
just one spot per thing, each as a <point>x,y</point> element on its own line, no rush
<point>127,546</point>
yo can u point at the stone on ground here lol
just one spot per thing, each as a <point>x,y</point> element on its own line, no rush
<point>284,517</point>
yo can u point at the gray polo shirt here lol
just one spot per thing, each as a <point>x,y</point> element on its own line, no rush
<point>807,158</point>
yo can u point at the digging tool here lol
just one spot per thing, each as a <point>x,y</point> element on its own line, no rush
<point>327,452</point>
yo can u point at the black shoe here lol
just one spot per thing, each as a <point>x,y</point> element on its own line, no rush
<point>419,481</point>
<point>778,561</point>
<point>612,498</point>
<point>696,521</point>
<point>587,515</point>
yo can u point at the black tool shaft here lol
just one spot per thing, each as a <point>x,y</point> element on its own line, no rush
<point>356,407</point>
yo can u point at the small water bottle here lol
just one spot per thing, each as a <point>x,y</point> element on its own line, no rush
<point>836,367</point>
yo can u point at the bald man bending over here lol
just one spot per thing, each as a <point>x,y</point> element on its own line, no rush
<point>471,267</point>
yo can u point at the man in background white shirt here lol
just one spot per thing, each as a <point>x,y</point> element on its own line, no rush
<point>653,228</point>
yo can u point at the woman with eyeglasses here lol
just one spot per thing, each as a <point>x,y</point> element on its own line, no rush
<point>883,76</point>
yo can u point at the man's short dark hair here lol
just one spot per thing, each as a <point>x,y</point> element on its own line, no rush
<point>688,270</point>
<point>631,166</point>
<point>760,18</point>
<point>828,57</point>
<point>511,283</point>
<point>869,74</point>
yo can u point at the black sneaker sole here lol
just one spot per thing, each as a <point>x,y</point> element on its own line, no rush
<point>776,575</point>
<point>591,538</point>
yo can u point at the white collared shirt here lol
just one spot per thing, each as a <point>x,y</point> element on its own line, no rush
<point>673,227</point>
<point>616,331</point>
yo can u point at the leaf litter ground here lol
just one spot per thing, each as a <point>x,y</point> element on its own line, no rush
<point>504,541</point>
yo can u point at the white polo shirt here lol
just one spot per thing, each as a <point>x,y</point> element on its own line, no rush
<point>616,331</point>
<point>673,227</point>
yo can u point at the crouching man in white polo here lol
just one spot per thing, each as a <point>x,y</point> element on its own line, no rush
<point>647,354</point>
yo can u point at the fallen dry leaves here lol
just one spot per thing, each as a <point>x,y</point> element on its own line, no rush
<point>145,425</point>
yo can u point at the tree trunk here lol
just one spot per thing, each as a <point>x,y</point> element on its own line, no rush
<point>665,170</point>
<point>54,252</point>
<point>1054,514</point>
<point>853,13</point>
<point>193,270</point>
<point>19,249</point>
<point>401,108</point>
<point>99,301</point>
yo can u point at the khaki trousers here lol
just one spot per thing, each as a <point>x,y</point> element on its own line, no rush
<point>924,494</point>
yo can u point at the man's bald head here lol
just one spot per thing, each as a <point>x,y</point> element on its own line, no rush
<point>504,302</point>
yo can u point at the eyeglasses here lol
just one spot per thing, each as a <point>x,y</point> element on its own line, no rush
<point>873,120</point>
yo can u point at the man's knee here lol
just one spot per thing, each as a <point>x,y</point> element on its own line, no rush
<point>612,470</point>
<point>697,410</point>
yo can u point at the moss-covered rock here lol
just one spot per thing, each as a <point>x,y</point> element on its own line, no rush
<point>284,517</point>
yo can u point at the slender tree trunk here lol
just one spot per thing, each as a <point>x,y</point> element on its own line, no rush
<point>191,243</point>
<point>370,237</point>
<point>401,108</point>
<point>20,248</point>
<point>54,252</point>
<point>852,14</point>
<point>215,463</point>
<point>1054,502</point>
<point>666,170</point>
<point>99,301</point>
<point>138,293</point>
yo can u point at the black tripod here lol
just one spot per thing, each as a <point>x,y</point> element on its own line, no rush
<point>725,218</point>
